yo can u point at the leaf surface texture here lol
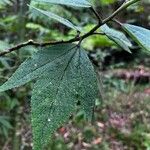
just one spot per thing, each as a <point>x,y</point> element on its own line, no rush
<point>139,34</point>
<point>57,18</point>
<point>75,3</point>
<point>118,37</point>
<point>64,77</point>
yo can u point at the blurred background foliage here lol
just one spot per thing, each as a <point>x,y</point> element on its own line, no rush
<point>122,115</point>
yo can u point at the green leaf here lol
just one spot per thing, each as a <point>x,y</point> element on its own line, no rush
<point>33,67</point>
<point>75,3</point>
<point>139,34</point>
<point>5,122</point>
<point>118,37</point>
<point>64,77</point>
<point>58,18</point>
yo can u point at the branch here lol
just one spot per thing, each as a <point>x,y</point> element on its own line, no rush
<point>123,6</point>
<point>77,38</point>
<point>97,15</point>
<point>100,23</point>
<point>33,43</point>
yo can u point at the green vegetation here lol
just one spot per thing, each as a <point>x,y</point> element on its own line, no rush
<point>47,39</point>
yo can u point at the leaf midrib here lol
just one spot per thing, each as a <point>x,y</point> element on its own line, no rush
<point>57,90</point>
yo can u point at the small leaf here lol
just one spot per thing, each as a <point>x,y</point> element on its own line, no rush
<point>75,3</point>
<point>33,67</point>
<point>139,34</point>
<point>5,122</point>
<point>58,18</point>
<point>118,37</point>
<point>64,76</point>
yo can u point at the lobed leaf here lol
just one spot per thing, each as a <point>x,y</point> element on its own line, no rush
<point>139,34</point>
<point>64,77</point>
<point>75,3</point>
<point>57,18</point>
<point>118,37</point>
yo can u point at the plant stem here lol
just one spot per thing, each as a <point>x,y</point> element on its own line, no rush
<point>77,38</point>
<point>123,6</point>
